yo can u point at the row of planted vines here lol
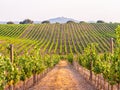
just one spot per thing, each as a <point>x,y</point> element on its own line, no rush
<point>23,68</point>
<point>56,38</point>
<point>105,66</point>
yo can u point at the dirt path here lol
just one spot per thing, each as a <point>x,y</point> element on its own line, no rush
<point>63,77</point>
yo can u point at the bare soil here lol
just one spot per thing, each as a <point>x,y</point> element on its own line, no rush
<point>63,77</point>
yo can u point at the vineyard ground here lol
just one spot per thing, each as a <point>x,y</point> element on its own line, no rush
<point>63,77</point>
<point>2,41</point>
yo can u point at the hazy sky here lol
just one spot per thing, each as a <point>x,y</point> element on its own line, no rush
<point>87,10</point>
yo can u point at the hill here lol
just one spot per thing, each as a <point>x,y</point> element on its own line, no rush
<point>61,20</point>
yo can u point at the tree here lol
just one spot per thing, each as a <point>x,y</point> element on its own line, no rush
<point>100,21</point>
<point>70,21</point>
<point>57,23</point>
<point>45,22</point>
<point>26,21</point>
<point>82,22</point>
<point>21,22</point>
<point>10,22</point>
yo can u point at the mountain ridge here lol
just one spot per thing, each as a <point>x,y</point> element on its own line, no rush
<point>61,20</point>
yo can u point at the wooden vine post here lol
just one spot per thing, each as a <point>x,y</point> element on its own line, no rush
<point>111,50</point>
<point>111,45</point>
<point>11,53</point>
<point>90,70</point>
<point>11,59</point>
<point>91,64</point>
<point>34,78</point>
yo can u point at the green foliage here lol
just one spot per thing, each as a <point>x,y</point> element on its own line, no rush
<point>100,21</point>
<point>63,57</point>
<point>45,22</point>
<point>10,22</point>
<point>70,58</point>
<point>117,31</point>
<point>24,67</point>
<point>26,21</point>
<point>11,30</point>
<point>70,21</point>
<point>90,55</point>
<point>107,64</point>
<point>56,38</point>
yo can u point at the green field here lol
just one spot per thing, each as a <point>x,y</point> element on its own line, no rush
<point>56,38</point>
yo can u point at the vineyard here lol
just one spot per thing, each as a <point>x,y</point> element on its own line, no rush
<point>56,38</point>
<point>39,47</point>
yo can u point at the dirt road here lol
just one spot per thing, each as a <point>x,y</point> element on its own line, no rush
<point>63,77</point>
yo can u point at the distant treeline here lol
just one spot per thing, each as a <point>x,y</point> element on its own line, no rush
<point>28,21</point>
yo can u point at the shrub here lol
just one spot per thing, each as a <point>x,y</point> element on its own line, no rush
<point>70,58</point>
<point>45,22</point>
<point>100,21</point>
<point>26,21</point>
<point>82,22</point>
<point>70,22</point>
<point>10,22</point>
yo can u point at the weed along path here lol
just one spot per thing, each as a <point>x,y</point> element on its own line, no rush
<point>63,77</point>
